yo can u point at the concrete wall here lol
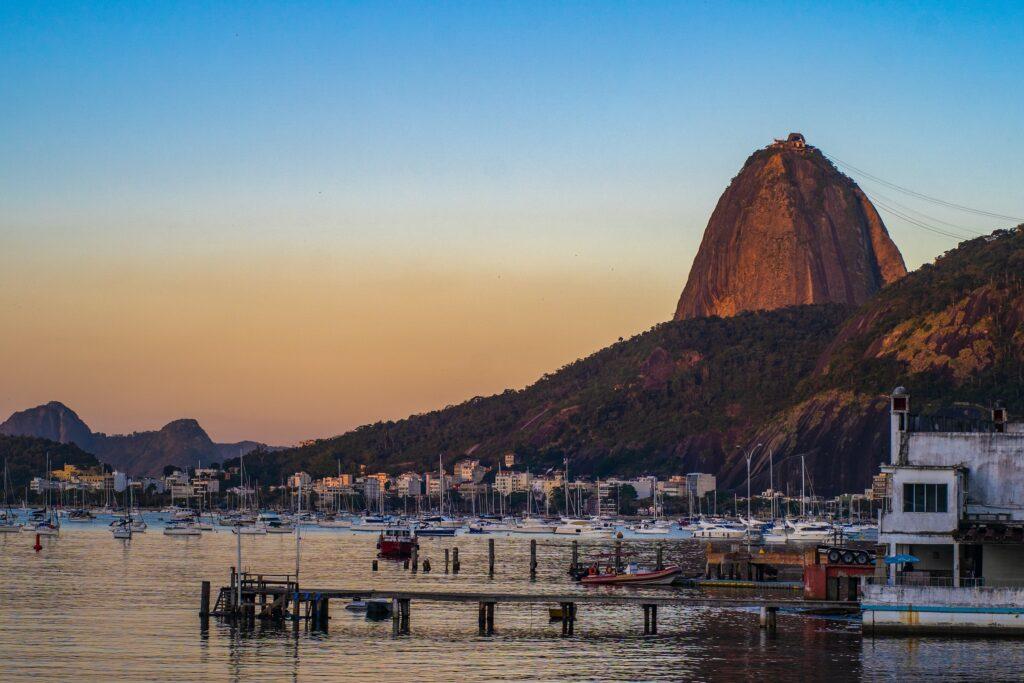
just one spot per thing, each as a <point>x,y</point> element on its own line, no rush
<point>994,462</point>
<point>943,596</point>
<point>898,521</point>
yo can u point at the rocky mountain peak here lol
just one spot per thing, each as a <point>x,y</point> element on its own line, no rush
<point>790,229</point>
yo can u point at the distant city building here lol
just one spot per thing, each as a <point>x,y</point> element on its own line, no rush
<point>699,484</point>
<point>300,479</point>
<point>408,484</point>
<point>469,470</point>
<point>509,459</point>
<point>508,482</point>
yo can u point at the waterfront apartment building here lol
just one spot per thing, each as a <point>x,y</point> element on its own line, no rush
<point>469,470</point>
<point>509,482</point>
<point>955,512</point>
<point>408,484</point>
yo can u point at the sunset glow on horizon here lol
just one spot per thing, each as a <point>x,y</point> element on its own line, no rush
<point>287,221</point>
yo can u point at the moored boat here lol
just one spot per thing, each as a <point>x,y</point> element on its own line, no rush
<point>396,544</point>
<point>632,575</point>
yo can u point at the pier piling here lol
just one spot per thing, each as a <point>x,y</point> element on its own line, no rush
<point>455,560</point>
<point>485,618</point>
<point>575,554</point>
<point>533,559</point>
<point>650,619</point>
<point>490,557</point>
<point>446,560</point>
<point>415,559</point>
<point>568,618</point>
<point>204,600</point>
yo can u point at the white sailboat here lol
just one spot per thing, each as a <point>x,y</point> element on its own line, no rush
<point>8,520</point>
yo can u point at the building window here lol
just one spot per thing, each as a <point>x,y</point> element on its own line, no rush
<point>925,497</point>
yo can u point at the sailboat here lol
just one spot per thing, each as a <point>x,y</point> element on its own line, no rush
<point>47,523</point>
<point>8,520</point>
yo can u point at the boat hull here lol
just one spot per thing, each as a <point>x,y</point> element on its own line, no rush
<point>658,577</point>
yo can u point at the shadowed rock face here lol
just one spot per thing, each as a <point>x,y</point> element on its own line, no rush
<point>790,229</point>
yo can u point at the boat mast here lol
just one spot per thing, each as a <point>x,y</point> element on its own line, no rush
<point>803,499</point>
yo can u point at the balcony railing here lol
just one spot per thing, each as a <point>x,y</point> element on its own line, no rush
<point>945,581</point>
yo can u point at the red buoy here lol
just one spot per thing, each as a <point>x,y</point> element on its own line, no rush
<point>38,546</point>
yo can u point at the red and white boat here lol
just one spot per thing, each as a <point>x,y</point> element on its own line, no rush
<point>396,544</point>
<point>632,575</point>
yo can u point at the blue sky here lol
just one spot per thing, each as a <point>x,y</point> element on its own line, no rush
<point>576,143</point>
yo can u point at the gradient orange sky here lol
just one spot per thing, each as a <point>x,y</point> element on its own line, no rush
<point>289,219</point>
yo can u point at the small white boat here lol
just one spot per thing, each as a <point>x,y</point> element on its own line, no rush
<point>581,527</point>
<point>122,531</point>
<point>181,528</point>
<point>254,530</point>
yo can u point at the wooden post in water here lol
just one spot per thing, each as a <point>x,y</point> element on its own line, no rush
<point>395,616</point>
<point>568,618</point>
<point>575,553</point>
<point>533,559</point>
<point>455,560</point>
<point>446,560</point>
<point>490,557</point>
<point>481,618</point>
<point>204,602</point>
<point>406,609</point>
<point>415,558</point>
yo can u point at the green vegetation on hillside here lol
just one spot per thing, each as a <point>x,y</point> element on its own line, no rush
<point>622,410</point>
<point>26,458</point>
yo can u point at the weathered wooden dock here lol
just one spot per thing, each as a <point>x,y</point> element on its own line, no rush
<point>279,599</point>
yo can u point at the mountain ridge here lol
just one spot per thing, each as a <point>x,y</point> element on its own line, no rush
<point>182,442</point>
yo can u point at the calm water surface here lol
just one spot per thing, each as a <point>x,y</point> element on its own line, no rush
<point>89,608</point>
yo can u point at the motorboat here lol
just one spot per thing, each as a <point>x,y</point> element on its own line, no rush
<point>532,525</point>
<point>181,528</point>
<point>631,575</point>
<point>581,527</point>
<point>809,531</point>
<point>718,529</point>
<point>436,531</point>
<point>650,529</point>
<point>80,515</point>
<point>280,527</point>
<point>396,544</point>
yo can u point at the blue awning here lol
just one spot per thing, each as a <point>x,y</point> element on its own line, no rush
<point>900,559</point>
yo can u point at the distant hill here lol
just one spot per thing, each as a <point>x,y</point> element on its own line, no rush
<point>181,442</point>
<point>26,458</point>
<point>807,381</point>
<point>790,229</point>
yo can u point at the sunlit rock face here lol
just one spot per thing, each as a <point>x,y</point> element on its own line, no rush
<point>790,229</point>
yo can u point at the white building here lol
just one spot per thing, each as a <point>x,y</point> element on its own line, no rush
<point>507,482</point>
<point>956,505</point>
<point>469,470</point>
<point>408,484</point>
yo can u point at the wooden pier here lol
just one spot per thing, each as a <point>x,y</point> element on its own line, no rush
<point>279,599</point>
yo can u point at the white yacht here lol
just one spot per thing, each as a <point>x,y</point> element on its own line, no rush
<point>718,529</point>
<point>809,531</point>
<point>582,527</point>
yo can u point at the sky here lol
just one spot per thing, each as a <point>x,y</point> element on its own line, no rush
<point>288,219</point>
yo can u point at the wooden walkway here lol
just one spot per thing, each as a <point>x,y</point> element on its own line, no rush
<point>280,599</point>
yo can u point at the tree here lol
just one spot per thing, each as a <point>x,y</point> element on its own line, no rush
<point>171,469</point>
<point>627,499</point>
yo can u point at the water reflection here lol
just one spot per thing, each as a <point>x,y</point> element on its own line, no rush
<point>88,607</point>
